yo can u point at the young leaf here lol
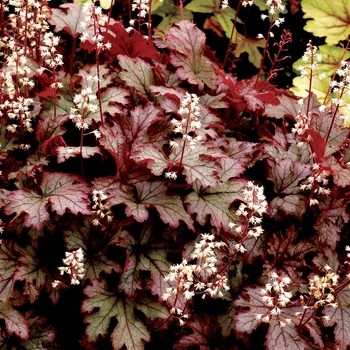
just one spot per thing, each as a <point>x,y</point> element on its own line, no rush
<point>62,191</point>
<point>132,45</point>
<point>288,106</point>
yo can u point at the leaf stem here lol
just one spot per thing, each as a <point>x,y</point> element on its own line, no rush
<point>265,50</point>
<point>71,61</point>
<point>232,31</point>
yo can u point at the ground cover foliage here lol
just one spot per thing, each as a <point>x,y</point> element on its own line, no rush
<point>179,181</point>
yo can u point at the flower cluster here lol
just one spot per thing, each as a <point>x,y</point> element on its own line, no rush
<point>313,58</point>
<point>141,6</point>
<point>49,52</point>
<point>101,210</point>
<point>316,182</point>
<point>275,297</point>
<point>84,102</point>
<point>187,126</point>
<point>274,6</point>
<point>300,127</point>
<point>321,290</point>
<point>74,262</point>
<point>27,28</point>
<point>250,213</point>
<point>198,278</point>
<point>340,88</point>
<point>189,123</point>
<point>94,19</point>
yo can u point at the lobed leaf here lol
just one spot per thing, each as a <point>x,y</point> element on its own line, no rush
<point>187,44</point>
<point>137,73</point>
<point>328,223</point>
<point>15,321</point>
<point>215,204</point>
<point>286,175</point>
<point>68,17</point>
<point>129,44</point>
<point>62,191</point>
<point>40,333</point>
<point>64,153</point>
<point>8,268</point>
<point>129,331</point>
<point>95,243</point>
<point>100,297</point>
<point>340,317</point>
<point>147,253</point>
<point>330,20</point>
<point>31,272</point>
<point>199,164</point>
<point>150,194</point>
<point>203,334</point>
<point>170,14</point>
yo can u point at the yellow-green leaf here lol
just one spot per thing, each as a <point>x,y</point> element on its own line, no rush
<point>250,45</point>
<point>330,19</point>
<point>225,17</point>
<point>106,4</point>
<point>204,6</point>
<point>331,58</point>
<point>170,14</point>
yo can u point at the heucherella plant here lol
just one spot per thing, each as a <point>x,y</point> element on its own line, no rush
<point>197,203</point>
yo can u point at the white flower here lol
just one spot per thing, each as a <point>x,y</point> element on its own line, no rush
<point>224,4</point>
<point>74,265</point>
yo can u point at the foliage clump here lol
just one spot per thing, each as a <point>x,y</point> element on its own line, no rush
<point>157,195</point>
